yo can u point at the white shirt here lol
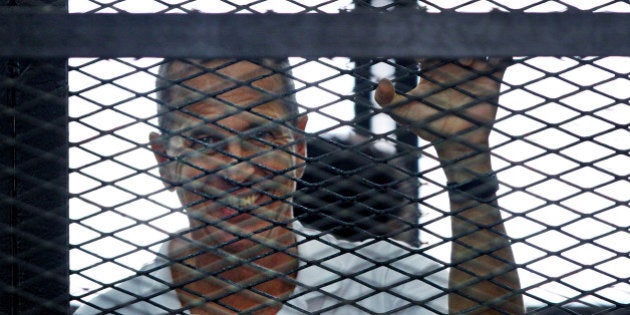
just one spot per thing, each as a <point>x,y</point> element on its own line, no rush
<point>371,277</point>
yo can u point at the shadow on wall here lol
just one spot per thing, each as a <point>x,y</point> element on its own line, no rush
<point>355,191</point>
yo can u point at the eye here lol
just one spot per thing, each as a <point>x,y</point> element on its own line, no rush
<point>263,134</point>
<point>260,138</point>
<point>204,142</point>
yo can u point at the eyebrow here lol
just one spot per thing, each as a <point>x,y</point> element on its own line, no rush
<point>265,125</point>
<point>202,128</point>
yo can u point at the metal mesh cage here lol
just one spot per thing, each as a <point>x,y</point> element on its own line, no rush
<point>126,193</point>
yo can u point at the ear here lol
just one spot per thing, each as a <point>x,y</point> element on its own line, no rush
<point>300,147</point>
<point>165,164</point>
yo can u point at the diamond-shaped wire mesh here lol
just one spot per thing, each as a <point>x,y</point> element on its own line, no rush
<point>334,6</point>
<point>374,205</point>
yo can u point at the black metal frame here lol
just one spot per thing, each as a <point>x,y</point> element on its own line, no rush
<point>361,34</point>
<point>25,34</point>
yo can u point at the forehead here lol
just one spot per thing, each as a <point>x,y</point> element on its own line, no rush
<point>217,89</point>
<point>221,76</point>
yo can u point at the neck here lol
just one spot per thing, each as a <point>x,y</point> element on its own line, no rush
<point>226,278</point>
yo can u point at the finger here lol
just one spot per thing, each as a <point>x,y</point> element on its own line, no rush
<point>385,94</point>
<point>429,64</point>
<point>500,61</point>
<point>468,62</point>
<point>396,104</point>
<point>500,65</point>
<point>495,65</point>
<point>488,67</point>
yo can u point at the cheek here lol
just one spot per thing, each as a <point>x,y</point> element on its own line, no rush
<point>192,175</point>
<point>277,161</point>
<point>194,163</point>
<point>279,167</point>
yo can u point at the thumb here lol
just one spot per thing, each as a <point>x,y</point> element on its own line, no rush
<point>385,94</point>
<point>396,105</point>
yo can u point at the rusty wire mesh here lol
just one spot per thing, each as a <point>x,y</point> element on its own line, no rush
<point>559,147</point>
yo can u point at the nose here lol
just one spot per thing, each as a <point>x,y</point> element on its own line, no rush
<point>239,168</point>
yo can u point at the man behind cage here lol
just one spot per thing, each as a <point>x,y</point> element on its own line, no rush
<point>232,147</point>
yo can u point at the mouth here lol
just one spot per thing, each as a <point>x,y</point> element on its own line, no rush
<point>244,208</point>
<point>241,203</point>
<point>237,216</point>
<point>238,206</point>
<point>233,215</point>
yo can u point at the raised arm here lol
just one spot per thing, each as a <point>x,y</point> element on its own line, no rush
<point>454,106</point>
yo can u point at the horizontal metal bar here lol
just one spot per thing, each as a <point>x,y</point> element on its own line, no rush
<point>392,34</point>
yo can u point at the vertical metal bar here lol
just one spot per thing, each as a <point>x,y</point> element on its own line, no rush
<point>41,187</point>
<point>361,90</point>
<point>34,168</point>
<point>362,85</point>
<point>406,79</point>
<point>33,183</point>
<point>7,191</point>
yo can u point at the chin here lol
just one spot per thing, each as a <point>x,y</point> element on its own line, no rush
<point>223,239</point>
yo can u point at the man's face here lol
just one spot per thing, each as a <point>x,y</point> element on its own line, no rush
<point>236,167</point>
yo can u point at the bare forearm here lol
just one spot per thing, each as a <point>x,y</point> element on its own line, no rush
<point>483,277</point>
<point>458,121</point>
